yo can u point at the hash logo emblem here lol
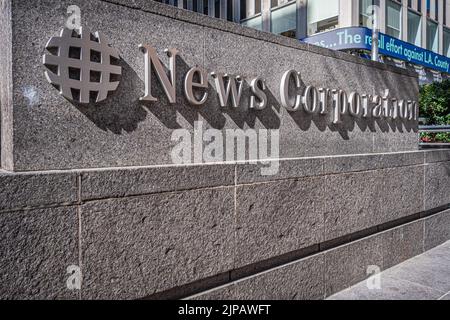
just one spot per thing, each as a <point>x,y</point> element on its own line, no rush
<point>82,66</point>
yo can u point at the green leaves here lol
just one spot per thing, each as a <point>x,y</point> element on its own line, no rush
<point>435,102</point>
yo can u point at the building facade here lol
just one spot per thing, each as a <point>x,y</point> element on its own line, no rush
<point>421,23</point>
<point>96,202</point>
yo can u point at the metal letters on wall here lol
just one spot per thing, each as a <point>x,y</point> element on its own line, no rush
<point>82,66</point>
<point>85,66</point>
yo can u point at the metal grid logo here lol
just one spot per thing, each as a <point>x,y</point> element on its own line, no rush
<point>82,66</point>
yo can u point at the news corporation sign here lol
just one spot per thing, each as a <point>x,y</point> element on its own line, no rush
<point>85,69</point>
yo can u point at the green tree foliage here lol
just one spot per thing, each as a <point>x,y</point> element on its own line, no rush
<point>435,107</point>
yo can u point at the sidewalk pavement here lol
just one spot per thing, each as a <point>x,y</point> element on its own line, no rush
<point>425,277</point>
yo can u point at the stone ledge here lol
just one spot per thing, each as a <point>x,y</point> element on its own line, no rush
<point>432,156</point>
<point>137,181</point>
<point>32,190</point>
<point>49,188</point>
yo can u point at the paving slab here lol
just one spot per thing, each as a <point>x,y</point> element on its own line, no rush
<point>424,277</point>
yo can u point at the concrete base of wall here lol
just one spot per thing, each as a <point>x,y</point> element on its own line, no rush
<point>322,274</point>
<point>220,230</point>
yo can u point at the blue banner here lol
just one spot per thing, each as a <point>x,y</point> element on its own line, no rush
<point>361,38</point>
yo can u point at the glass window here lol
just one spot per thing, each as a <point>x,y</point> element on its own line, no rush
<point>230,10</point>
<point>447,42</point>
<point>284,20</point>
<point>276,3</point>
<point>250,8</point>
<point>257,6</point>
<point>364,12</point>
<point>205,7</point>
<point>217,8</point>
<point>436,10</point>
<point>414,28</point>
<point>255,22</point>
<point>432,36</point>
<point>322,15</point>
<point>446,8</point>
<point>393,19</point>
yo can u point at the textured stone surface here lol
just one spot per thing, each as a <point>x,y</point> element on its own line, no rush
<point>300,280</point>
<point>124,182</point>
<point>358,201</point>
<point>313,134</point>
<point>36,248</point>
<point>402,193</point>
<point>437,229</point>
<point>37,189</point>
<point>437,156</point>
<point>348,264</point>
<point>276,218</point>
<point>6,99</point>
<point>50,132</point>
<point>118,132</point>
<point>282,169</point>
<point>437,185</point>
<point>138,246</point>
<point>402,243</point>
<point>349,163</point>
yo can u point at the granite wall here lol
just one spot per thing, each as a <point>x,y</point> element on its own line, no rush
<point>93,186</point>
<point>48,132</point>
<point>173,232</point>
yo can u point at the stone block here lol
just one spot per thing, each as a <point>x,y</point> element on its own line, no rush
<point>282,169</point>
<point>299,280</point>
<point>351,163</point>
<point>348,264</point>
<point>29,190</point>
<point>6,84</point>
<point>97,184</point>
<point>432,156</point>
<point>402,243</point>
<point>37,247</point>
<point>136,247</point>
<point>358,201</point>
<point>276,218</point>
<point>437,185</point>
<point>437,229</point>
